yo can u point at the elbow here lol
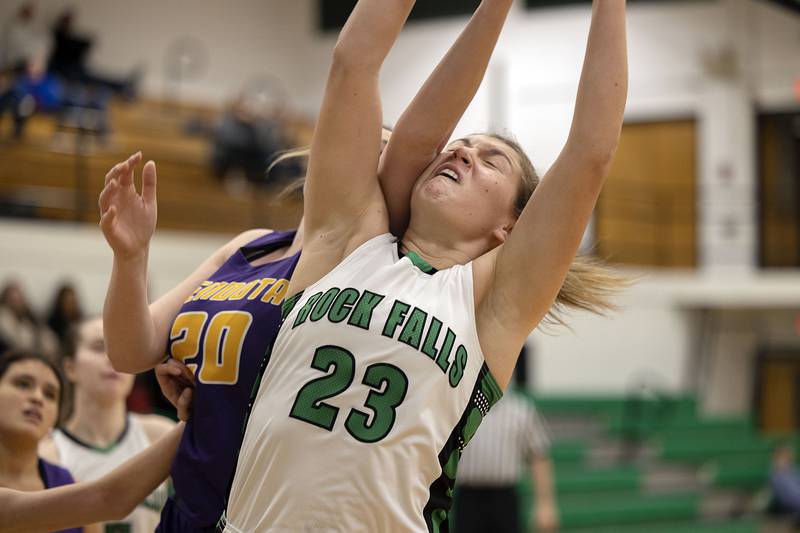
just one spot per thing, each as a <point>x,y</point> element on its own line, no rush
<point>351,58</point>
<point>121,364</point>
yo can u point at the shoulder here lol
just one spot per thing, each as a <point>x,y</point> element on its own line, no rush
<point>247,236</point>
<point>155,426</point>
<point>229,248</point>
<point>48,450</point>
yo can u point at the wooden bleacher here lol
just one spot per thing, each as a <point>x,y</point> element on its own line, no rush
<point>43,176</point>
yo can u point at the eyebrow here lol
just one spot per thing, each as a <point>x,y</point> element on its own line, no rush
<point>496,151</point>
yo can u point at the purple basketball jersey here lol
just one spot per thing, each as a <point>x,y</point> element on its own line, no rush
<point>56,476</point>
<point>222,333</point>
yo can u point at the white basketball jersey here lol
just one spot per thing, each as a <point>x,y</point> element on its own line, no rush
<point>374,385</point>
<point>87,462</point>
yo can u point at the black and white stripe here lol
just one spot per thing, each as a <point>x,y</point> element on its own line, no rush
<point>512,432</point>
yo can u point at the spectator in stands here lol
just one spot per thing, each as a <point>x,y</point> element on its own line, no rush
<point>65,311</point>
<point>69,59</point>
<point>511,436</point>
<point>34,90</point>
<point>19,326</point>
<point>244,142</point>
<point>21,40</point>
<point>784,481</point>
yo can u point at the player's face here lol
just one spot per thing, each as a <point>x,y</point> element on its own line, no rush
<point>91,370</point>
<point>29,396</point>
<point>473,182</point>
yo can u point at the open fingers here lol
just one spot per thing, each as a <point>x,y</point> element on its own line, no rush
<point>106,195</point>
<point>107,219</point>
<point>123,166</point>
<point>149,183</point>
<point>126,172</point>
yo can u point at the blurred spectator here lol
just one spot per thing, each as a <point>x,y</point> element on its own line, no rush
<point>69,59</point>
<point>65,311</point>
<point>22,40</point>
<point>511,436</point>
<point>19,327</point>
<point>245,140</point>
<point>31,91</point>
<point>784,481</point>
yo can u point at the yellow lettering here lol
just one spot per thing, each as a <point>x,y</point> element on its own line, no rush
<point>264,282</point>
<point>276,293</point>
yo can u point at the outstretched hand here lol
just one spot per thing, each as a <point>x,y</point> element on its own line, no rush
<point>128,218</point>
<point>177,383</point>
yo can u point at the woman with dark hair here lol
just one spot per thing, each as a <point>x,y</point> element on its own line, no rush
<point>65,311</point>
<point>19,327</point>
<point>31,394</point>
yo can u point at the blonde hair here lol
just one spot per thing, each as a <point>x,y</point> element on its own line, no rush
<point>295,186</point>
<point>590,283</point>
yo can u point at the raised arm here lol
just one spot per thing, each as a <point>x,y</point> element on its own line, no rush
<point>343,201</point>
<point>425,126</point>
<point>135,331</point>
<point>520,280</point>
<point>110,497</point>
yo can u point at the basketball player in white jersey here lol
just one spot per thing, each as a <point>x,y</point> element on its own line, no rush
<point>391,352</point>
<point>100,434</point>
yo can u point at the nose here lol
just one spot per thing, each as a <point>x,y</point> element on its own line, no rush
<point>463,154</point>
<point>37,397</point>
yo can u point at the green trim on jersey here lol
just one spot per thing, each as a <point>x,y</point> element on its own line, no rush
<point>485,394</point>
<point>420,263</point>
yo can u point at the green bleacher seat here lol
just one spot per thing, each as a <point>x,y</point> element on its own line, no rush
<point>628,510</point>
<point>738,526</point>
<point>681,448</point>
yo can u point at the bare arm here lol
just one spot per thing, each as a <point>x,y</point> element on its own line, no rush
<point>110,497</point>
<point>546,510</point>
<point>517,283</point>
<point>427,123</point>
<point>344,205</point>
<point>135,332</point>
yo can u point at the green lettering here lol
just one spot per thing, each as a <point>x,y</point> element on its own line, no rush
<point>302,314</point>
<point>413,328</point>
<point>396,317</point>
<point>324,303</point>
<point>343,305</point>
<point>362,312</point>
<point>444,352</point>
<point>429,346</point>
<point>457,368</point>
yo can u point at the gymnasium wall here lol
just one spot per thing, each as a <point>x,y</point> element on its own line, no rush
<point>679,69</point>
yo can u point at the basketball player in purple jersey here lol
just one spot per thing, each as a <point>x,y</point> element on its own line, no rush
<point>221,319</point>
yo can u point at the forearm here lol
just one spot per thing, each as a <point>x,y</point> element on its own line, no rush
<point>542,476</point>
<point>438,106</point>
<point>127,323</point>
<point>370,32</point>
<point>129,484</point>
<point>603,88</point>
<point>427,123</point>
<point>344,151</point>
<point>110,497</point>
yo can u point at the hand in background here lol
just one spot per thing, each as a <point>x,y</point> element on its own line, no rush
<point>177,385</point>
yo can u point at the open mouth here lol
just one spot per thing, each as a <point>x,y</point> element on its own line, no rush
<point>33,415</point>
<point>450,174</point>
